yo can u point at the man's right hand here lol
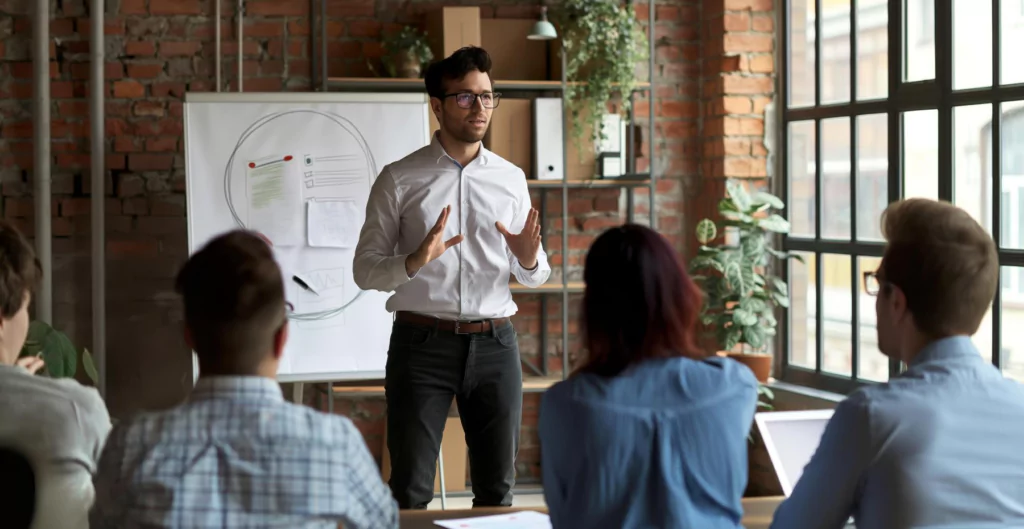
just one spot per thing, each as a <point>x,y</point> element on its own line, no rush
<point>432,246</point>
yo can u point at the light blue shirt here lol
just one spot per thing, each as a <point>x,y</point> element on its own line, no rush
<point>942,445</point>
<point>664,444</point>
<point>237,455</point>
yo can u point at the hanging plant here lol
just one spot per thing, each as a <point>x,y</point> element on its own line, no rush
<point>603,44</point>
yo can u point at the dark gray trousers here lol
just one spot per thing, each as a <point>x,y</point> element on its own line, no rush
<point>426,368</point>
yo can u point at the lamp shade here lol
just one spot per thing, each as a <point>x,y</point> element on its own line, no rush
<point>543,30</point>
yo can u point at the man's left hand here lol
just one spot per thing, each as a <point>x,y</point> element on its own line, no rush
<point>526,244</point>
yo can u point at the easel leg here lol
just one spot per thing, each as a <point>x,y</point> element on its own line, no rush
<point>440,464</point>
<point>297,393</point>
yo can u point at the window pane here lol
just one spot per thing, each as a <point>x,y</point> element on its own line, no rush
<point>1011,324</point>
<point>872,174</point>
<point>972,155</point>
<point>1011,35</point>
<point>835,178</point>
<point>1011,220</point>
<point>801,53</point>
<point>801,178</point>
<point>802,324</point>
<point>921,154</point>
<point>835,51</point>
<point>872,49</point>
<point>972,44</point>
<point>838,314</point>
<point>919,39</point>
<point>871,363</point>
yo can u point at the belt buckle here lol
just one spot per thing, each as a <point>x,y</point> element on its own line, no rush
<point>457,331</point>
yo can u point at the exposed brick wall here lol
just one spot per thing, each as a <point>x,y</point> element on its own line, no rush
<point>159,49</point>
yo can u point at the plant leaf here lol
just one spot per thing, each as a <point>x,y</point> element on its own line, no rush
<point>90,367</point>
<point>780,286</point>
<point>754,336</point>
<point>706,231</point>
<point>739,196</point>
<point>744,317</point>
<point>700,263</point>
<point>774,223</point>
<point>781,299</point>
<point>734,276</point>
<point>754,305</point>
<point>769,199</point>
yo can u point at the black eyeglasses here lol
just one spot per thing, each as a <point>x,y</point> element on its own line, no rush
<point>468,99</point>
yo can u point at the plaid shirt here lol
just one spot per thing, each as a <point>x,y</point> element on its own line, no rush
<point>237,455</point>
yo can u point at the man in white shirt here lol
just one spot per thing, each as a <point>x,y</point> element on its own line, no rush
<point>445,227</point>
<point>58,424</point>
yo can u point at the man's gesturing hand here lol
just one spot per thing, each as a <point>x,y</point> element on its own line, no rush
<point>526,244</point>
<point>432,246</point>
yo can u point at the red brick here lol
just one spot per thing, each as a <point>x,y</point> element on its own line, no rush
<point>72,160</point>
<point>262,85</point>
<point>350,8</point>
<point>168,206</point>
<point>749,42</point>
<point>130,186</point>
<point>739,84</point>
<point>115,162</point>
<point>162,144</point>
<point>760,103</point>
<point>112,71</point>
<point>757,148</point>
<point>62,89</point>
<point>297,27</point>
<point>599,224</point>
<point>276,8</point>
<point>736,21</point>
<point>145,71</point>
<point>150,162</point>
<point>753,5</point>
<point>73,207</point>
<point>140,48</point>
<point>167,89</point>
<point>132,247</point>
<point>161,225</point>
<point>262,29</point>
<point>736,146</point>
<point>148,108</point>
<point>364,28</point>
<point>606,204</point>
<point>117,127</point>
<point>129,89</point>
<point>762,63</point>
<point>179,48</point>
<point>678,109</point>
<point>21,129</point>
<point>124,144</point>
<point>763,23</point>
<point>133,7</point>
<point>18,207</point>
<point>70,109</point>
<point>175,7</point>
<point>163,127</point>
<point>297,48</point>
<point>62,27</point>
<point>736,105</point>
<point>135,206</point>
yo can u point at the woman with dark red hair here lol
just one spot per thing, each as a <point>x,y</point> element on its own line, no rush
<point>648,432</point>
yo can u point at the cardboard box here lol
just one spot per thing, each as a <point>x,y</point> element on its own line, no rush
<point>451,28</point>
<point>453,447</point>
<point>515,57</point>
<point>581,155</point>
<point>511,132</point>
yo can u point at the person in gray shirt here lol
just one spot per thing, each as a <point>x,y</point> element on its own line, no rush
<point>59,424</point>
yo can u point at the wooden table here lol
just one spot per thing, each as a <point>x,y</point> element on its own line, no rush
<point>757,514</point>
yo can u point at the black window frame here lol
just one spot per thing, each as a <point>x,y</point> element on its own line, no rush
<point>932,94</point>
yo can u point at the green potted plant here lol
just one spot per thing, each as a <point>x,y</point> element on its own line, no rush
<point>603,44</point>
<point>57,351</point>
<point>741,292</point>
<point>406,51</point>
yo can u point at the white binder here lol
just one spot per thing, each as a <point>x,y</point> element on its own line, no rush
<point>548,146</point>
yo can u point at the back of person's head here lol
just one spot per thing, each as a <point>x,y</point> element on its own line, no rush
<point>943,261</point>
<point>234,304</point>
<point>639,302</point>
<point>19,275</point>
<point>455,67</point>
<point>17,489</point>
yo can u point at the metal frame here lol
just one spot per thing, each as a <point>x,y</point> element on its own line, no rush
<point>933,94</point>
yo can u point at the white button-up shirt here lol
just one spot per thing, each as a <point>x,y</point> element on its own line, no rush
<point>470,280</point>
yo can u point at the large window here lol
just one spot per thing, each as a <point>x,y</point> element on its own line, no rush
<point>888,99</point>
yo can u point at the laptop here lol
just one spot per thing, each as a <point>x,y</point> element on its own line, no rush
<point>791,438</point>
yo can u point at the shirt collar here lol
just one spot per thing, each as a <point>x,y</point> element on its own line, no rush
<point>236,388</point>
<point>439,153</point>
<point>951,348</point>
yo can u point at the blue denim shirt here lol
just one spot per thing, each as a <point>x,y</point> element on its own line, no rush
<point>664,444</point>
<point>942,445</point>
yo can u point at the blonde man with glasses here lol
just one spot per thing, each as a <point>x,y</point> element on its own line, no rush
<point>940,445</point>
<point>445,228</point>
<point>236,454</point>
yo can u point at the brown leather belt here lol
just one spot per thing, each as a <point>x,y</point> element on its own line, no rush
<point>455,326</point>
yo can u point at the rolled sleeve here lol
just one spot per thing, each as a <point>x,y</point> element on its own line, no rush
<point>539,274</point>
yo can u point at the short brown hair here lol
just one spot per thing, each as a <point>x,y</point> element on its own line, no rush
<point>234,302</point>
<point>945,263</point>
<point>19,269</point>
<point>639,302</point>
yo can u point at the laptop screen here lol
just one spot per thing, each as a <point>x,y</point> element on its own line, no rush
<point>791,437</point>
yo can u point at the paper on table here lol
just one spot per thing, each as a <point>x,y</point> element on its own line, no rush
<point>515,520</point>
<point>273,186</point>
<point>334,223</point>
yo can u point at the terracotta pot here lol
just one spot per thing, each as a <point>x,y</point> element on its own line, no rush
<point>760,364</point>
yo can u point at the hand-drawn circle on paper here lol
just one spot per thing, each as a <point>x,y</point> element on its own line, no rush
<point>298,120</point>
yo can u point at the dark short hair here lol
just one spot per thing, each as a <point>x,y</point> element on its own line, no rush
<point>20,270</point>
<point>639,302</point>
<point>455,67</point>
<point>234,302</point>
<point>945,263</point>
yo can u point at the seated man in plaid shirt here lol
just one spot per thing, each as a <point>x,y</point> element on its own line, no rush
<point>236,454</point>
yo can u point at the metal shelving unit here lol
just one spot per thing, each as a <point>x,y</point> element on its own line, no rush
<point>629,182</point>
